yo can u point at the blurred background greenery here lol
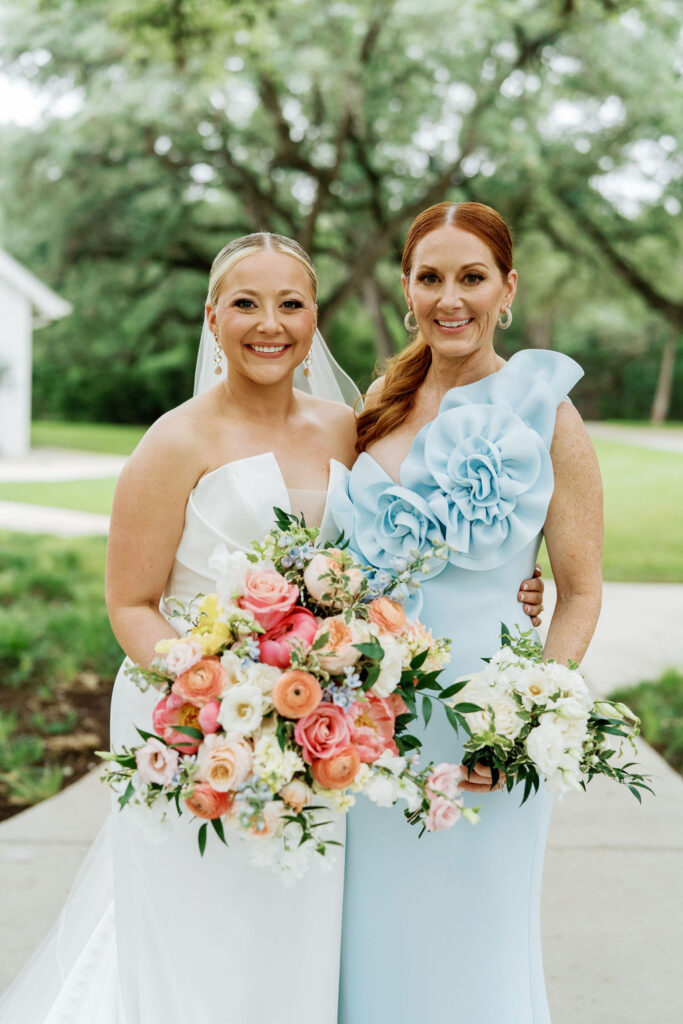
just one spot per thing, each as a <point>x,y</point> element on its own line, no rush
<point>164,128</point>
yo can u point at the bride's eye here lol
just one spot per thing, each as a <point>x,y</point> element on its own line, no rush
<point>244,303</point>
<point>293,304</point>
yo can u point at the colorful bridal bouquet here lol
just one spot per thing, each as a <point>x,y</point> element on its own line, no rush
<point>290,690</point>
<point>531,720</point>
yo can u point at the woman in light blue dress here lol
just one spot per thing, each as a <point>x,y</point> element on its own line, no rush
<point>458,445</point>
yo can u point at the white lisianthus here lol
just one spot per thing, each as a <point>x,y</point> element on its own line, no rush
<point>391,667</point>
<point>545,745</point>
<point>275,766</point>
<point>570,709</point>
<point>229,569</point>
<point>574,731</point>
<point>235,670</point>
<point>408,791</point>
<point>570,682</point>
<point>263,676</point>
<point>535,686</point>
<point>363,776</point>
<point>393,762</point>
<point>382,789</point>
<point>241,709</point>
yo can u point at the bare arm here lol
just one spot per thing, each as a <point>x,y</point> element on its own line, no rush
<point>574,537</point>
<point>146,525</point>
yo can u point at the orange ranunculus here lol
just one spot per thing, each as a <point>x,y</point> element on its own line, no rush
<point>296,693</point>
<point>205,802</point>
<point>388,615</point>
<point>339,771</point>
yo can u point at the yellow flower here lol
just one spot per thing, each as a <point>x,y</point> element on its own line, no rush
<point>212,642</point>
<point>212,631</point>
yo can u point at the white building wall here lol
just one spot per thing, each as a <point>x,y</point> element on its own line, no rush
<point>15,372</point>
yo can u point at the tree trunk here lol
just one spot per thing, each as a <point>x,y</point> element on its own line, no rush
<point>661,403</point>
<point>373,301</point>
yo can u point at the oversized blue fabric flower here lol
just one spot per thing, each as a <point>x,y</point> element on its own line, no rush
<point>387,523</point>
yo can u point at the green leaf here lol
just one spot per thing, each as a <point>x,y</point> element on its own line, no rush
<point>454,719</point>
<point>201,838</point>
<point>426,710</point>
<point>320,641</point>
<point>636,794</point>
<point>219,830</point>
<point>454,688</point>
<point>150,736</point>
<point>419,659</point>
<point>372,650</point>
<point>187,730</point>
<point>126,795</point>
<point>466,709</point>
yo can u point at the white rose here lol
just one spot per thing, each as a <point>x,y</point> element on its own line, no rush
<point>391,667</point>
<point>241,709</point>
<point>545,746</point>
<point>506,720</point>
<point>382,789</point>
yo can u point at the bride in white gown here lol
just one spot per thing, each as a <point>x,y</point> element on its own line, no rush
<point>151,933</point>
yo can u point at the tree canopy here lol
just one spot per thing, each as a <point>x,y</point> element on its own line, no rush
<point>171,126</point>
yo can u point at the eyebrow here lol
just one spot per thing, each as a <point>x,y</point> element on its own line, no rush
<point>283,291</point>
<point>465,266</point>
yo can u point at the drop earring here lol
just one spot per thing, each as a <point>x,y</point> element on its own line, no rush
<point>217,356</point>
<point>507,313</point>
<point>308,363</point>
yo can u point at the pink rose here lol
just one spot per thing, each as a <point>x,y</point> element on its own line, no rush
<point>442,814</point>
<point>224,763</point>
<point>444,780</point>
<point>203,682</point>
<point>268,596</point>
<point>318,582</point>
<point>323,733</point>
<point>205,802</point>
<point>183,655</point>
<point>276,645</point>
<point>208,716</point>
<point>156,762</point>
<point>371,724</point>
<point>339,652</point>
<point>172,711</point>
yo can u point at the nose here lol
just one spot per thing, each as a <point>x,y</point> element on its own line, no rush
<point>450,297</point>
<point>268,321</point>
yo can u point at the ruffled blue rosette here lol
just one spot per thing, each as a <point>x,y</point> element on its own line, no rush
<point>479,476</point>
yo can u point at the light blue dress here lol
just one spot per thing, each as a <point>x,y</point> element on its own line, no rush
<point>446,929</point>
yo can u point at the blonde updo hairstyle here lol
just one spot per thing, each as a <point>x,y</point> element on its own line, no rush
<point>407,371</point>
<point>260,241</point>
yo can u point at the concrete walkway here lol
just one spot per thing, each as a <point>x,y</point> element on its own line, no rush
<point>663,439</point>
<point>50,464</point>
<point>62,522</point>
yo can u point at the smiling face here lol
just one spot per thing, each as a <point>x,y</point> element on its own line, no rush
<point>265,316</point>
<point>457,291</point>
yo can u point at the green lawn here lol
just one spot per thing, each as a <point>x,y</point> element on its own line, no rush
<point>85,495</point>
<point>109,438</point>
<point>659,705</point>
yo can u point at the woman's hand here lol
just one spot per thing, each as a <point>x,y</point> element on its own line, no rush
<point>531,596</point>
<point>480,779</point>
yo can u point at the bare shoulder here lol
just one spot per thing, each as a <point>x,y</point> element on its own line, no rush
<point>570,437</point>
<point>374,391</point>
<point>175,444</point>
<point>337,422</point>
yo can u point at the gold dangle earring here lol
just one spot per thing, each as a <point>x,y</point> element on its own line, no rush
<point>505,323</point>
<point>308,363</point>
<point>217,356</point>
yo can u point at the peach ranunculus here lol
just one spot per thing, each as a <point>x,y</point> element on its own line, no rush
<point>339,771</point>
<point>224,763</point>
<point>372,728</point>
<point>172,711</point>
<point>388,616</point>
<point>444,780</point>
<point>203,682</point>
<point>268,596</point>
<point>208,717</point>
<point>323,733</point>
<point>296,694</point>
<point>156,762</point>
<point>339,652</point>
<point>206,802</point>
<point>442,814</point>
<point>270,820</point>
<point>321,587</point>
<point>275,646</point>
<point>297,795</point>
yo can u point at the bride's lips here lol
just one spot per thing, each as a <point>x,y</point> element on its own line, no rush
<point>268,351</point>
<point>453,326</point>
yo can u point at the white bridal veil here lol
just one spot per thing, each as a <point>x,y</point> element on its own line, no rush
<point>326,379</point>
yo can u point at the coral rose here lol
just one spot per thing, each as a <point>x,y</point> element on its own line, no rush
<point>372,728</point>
<point>296,694</point>
<point>203,682</point>
<point>339,771</point>
<point>172,711</point>
<point>224,763</point>
<point>323,733</point>
<point>388,616</point>
<point>268,596</point>
<point>276,644</point>
<point>205,802</point>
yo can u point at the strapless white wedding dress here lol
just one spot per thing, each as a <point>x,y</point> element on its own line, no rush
<point>154,934</point>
